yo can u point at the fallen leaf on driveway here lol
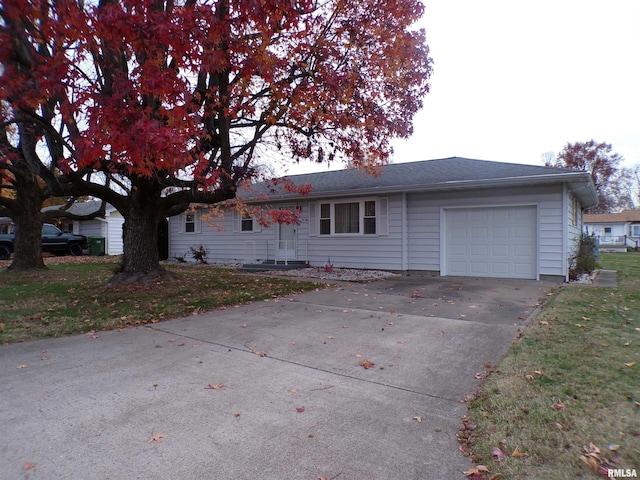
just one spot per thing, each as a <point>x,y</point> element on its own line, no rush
<point>157,437</point>
<point>417,419</point>
<point>28,466</point>
<point>366,364</point>
<point>217,386</point>
<point>23,366</point>
<point>293,390</point>
<point>300,409</point>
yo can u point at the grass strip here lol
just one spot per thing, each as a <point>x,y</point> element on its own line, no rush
<point>72,298</point>
<point>564,402</point>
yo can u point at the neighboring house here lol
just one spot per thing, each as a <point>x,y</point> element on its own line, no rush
<point>108,226</point>
<point>616,232</point>
<point>454,216</point>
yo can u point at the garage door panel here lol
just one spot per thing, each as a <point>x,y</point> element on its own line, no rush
<point>491,242</point>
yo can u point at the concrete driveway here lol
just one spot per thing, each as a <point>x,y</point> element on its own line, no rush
<point>271,390</point>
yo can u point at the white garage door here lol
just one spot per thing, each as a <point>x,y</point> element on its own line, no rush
<point>491,242</point>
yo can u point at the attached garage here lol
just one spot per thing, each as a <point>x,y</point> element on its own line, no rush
<point>499,242</point>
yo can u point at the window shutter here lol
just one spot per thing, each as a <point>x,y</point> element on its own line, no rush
<point>236,220</point>
<point>183,220</point>
<point>256,225</point>
<point>313,220</point>
<point>197,221</point>
<point>383,216</point>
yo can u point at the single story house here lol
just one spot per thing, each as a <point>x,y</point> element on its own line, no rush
<point>453,216</point>
<point>616,232</point>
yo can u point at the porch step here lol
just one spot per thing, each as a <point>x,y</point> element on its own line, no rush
<point>273,265</point>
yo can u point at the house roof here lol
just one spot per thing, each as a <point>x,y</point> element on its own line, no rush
<point>623,217</point>
<point>453,173</point>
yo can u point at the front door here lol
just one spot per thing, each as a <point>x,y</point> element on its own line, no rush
<point>286,244</point>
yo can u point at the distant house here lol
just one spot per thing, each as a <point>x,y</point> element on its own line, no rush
<point>108,226</point>
<point>616,232</point>
<point>453,216</point>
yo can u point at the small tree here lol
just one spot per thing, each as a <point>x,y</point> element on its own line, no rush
<point>584,259</point>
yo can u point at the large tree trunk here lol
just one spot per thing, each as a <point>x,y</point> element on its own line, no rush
<point>27,252</point>
<point>141,260</point>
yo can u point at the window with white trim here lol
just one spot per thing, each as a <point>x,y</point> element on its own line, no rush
<point>634,230</point>
<point>191,222</point>
<point>246,223</point>
<point>365,216</point>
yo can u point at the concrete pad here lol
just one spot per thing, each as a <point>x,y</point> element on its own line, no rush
<point>295,403</point>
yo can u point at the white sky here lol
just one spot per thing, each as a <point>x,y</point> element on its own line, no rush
<point>514,79</point>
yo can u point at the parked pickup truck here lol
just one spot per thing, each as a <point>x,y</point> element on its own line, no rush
<point>54,241</point>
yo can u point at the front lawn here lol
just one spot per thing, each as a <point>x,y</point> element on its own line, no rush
<point>564,402</point>
<point>71,298</point>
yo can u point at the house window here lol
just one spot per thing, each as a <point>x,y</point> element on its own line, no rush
<point>607,230</point>
<point>325,219</point>
<point>361,217</point>
<point>4,229</point>
<point>246,224</point>
<point>634,230</point>
<point>191,222</point>
<point>370,217</point>
<point>347,217</point>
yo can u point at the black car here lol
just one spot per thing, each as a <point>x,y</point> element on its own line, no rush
<point>54,241</point>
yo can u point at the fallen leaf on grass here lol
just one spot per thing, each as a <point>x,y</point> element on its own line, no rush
<point>631,364</point>
<point>157,437</point>
<point>558,406</point>
<point>559,426</point>
<point>498,454</point>
<point>476,470</point>
<point>217,386</point>
<point>366,364</point>
<point>517,453</point>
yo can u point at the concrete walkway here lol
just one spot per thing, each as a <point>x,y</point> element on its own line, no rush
<point>606,278</point>
<point>358,381</point>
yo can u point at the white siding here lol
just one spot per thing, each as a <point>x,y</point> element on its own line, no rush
<point>424,222</point>
<point>421,235</point>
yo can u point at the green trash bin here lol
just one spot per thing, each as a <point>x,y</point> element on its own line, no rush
<point>96,246</point>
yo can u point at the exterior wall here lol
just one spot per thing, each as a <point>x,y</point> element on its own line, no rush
<point>424,223</point>
<point>617,229</point>
<point>109,227</point>
<point>418,234</point>
<point>224,245</point>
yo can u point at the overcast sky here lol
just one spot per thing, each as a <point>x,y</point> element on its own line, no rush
<point>514,79</point>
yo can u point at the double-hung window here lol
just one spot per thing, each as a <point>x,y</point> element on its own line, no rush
<point>246,223</point>
<point>634,230</point>
<point>191,222</point>
<point>354,217</point>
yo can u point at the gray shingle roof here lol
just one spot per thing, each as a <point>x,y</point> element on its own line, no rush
<point>446,173</point>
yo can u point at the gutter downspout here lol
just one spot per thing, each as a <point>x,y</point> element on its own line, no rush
<point>565,232</point>
<point>405,234</point>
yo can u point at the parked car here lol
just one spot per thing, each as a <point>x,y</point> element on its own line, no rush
<point>54,241</point>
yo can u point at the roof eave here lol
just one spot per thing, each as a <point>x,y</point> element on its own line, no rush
<point>580,184</point>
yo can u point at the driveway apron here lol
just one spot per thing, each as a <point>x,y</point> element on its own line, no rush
<point>354,381</point>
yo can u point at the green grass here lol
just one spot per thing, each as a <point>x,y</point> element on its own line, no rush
<point>582,352</point>
<point>73,298</point>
